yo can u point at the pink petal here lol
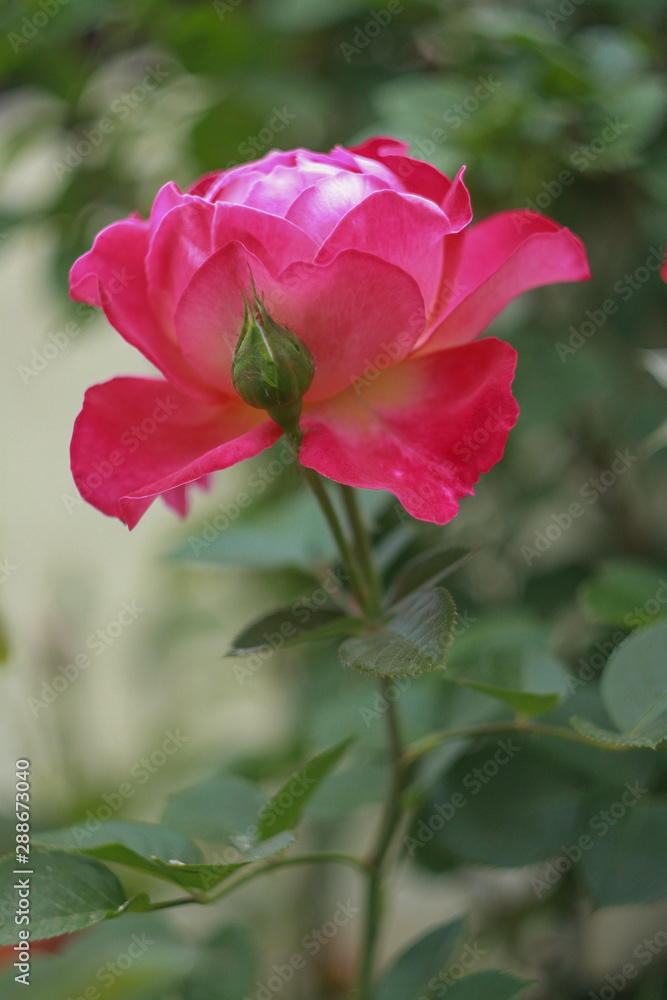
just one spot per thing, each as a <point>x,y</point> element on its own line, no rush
<point>137,438</point>
<point>401,228</point>
<point>113,275</point>
<point>319,208</point>
<point>189,234</point>
<point>416,176</point>
<point>502,257</point>
<point>354,312</point>
<point>424,430</point>
<point>177,498</point>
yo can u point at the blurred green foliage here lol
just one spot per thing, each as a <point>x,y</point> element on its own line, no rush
<point>554,105</point>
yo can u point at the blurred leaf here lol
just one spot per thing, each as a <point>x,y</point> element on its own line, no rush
<point>67,893</point>
<point>486,985</point>
<point>204,877</point>
<point>504,656</point>
<point>125,842</point>
<point>222,809</point>
<point>287,628</point>
<point>413,639</point>
<point>285,808</point>
<point>153,960</point>
<point>628,863</point>
<point>345,791</point>
<point>408,978</point>
<point>426,570</point>
<point>634,689</point>
<point>304,15</point>
<point>226,969</point>
<point>625,593</point>
<point>289,531</point>
<point>502,805</point>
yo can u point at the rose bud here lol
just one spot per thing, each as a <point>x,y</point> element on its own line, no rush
<point>271,369</point>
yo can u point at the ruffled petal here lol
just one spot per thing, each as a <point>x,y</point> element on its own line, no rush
<point>137,438</point>
<point>424,430</point>
<point>354,313</point>
<point>416,176</point>
<point>321,206</point>
<point>112,275</point>
<point>500,258</point>
<point>189,234</point>
<point>403,229</point>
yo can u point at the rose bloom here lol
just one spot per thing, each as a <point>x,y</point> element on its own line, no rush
<point>365,254</point>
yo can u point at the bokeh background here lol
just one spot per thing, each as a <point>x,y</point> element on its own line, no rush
<point>556,105</point>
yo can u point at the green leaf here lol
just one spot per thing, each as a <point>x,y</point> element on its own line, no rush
<point>504,656</point>
<point>287,628</point>
<point>68,892</point>
<point>634,684</point>
<point>627,863</point>
<point>348,790</point>
<point>425,958</point>
<point>222,809</point>
<point>626,593</point>
<point>125,842</point>
<point>204,877</point>
<point>634,692</point>
<point>502,805</point>
<point>426,570</point>
<point>491,984</point>
<point>285,808</point>
<point>414,638</point>
<point>607,738</point>
<point>286,532</point>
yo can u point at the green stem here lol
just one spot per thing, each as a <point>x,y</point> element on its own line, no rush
<point>391,819</point>
<point>323,857</point>
<point>520,726</point>
<point>346,553</point>
<point>364,551</point>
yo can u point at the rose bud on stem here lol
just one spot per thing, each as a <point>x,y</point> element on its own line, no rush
<point>271,368</point>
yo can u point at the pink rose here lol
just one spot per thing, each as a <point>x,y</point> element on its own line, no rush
<point>367,256</point>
